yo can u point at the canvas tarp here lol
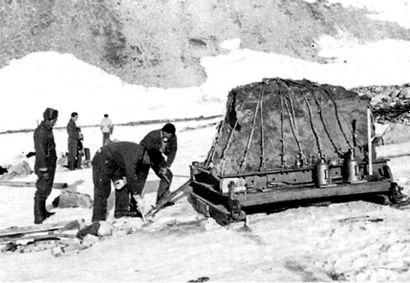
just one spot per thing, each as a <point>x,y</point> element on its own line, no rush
<point>278,123</point>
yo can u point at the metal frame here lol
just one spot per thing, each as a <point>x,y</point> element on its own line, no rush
<point>281,187</point>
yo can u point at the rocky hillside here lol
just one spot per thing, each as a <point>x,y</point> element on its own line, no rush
<point>160,42</point>
<point>389,103</point>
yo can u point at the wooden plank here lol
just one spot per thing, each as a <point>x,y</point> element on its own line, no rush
<point>34,237</point>
<point>16,230</point>
<point>56,185</point>
<point>19,231</point>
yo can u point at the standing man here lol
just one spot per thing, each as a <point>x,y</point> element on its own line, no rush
<point>110,163</point>
<point>45,164</point>
<point>106,128</point>
<point>72,141</point>
<point>164,141</point>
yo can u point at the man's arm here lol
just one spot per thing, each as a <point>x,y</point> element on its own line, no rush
<point>172,152</point>
<point>152,140</point>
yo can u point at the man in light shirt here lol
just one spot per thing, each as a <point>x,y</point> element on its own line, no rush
<point>106,128</point>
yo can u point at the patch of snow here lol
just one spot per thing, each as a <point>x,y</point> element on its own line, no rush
<point>231,44</point>
<point>397,11</point>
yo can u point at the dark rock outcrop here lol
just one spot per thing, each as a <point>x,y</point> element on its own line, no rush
<point>390,103</point>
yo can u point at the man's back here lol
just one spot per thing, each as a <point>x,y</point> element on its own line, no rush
<point>106,125</point>
<point>126,156</point>
<point>153,140</point>
<point>72,130</point>
<point>44,146</point>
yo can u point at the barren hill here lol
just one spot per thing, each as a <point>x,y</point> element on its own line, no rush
<point>160,42</point>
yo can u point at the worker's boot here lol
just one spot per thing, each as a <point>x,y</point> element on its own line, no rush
<point>38,212</point>
<point>46,213</point>
<point>124,213</point>
<point>163,189</point>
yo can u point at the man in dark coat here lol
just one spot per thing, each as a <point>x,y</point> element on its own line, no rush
<point>72,141</point>
<point>45,164</point>
<point>165,141</point>
<point>110,163</point>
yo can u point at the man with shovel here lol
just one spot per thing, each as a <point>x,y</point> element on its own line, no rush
<point>110,163</point>
<point>158,143</point>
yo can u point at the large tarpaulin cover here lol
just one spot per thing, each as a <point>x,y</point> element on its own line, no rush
<point>278,123</point>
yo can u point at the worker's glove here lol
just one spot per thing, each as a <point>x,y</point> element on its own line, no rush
<point>120,183</point>
<point>163,171</point>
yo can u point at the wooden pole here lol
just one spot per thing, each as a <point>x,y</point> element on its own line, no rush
<point>56,185</point>
<point>369,142</point>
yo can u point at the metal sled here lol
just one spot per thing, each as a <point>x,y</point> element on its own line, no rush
<point>230,198</point>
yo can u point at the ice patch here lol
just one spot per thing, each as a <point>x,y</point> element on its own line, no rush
<point>231,44</point>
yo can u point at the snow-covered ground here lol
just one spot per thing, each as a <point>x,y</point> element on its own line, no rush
<point>356,241</point>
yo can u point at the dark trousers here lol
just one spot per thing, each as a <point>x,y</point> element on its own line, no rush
<point>102,189</point>
<point>79,160</point>
<point>44,184</point>
<point>163,184</point>
<point>103,172</point>
<point>72,153</point>
<point>106,138</point>
<point>122,200</point>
